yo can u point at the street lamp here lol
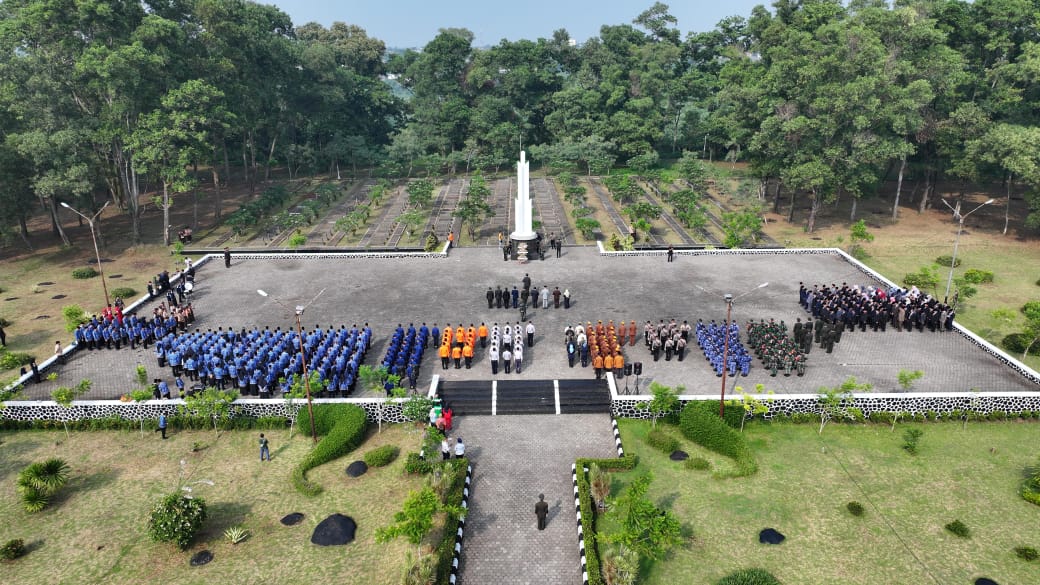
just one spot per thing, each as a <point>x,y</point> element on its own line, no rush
<point>956,241</point>
<point>725,345</point>
<point>93,236</point>
<point>298,311</point>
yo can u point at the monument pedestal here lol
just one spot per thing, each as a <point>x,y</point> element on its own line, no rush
<point>524,248</point>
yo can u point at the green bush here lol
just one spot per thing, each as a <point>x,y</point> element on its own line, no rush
<point>959,528</point>
<point>124,292</point>
<point>910,440</point>
<point>382,456</point>
<point>946,260</point>
<point>415,464</point>
<point>432,242</point>
<point>346,424</point>
<point>10,360</point>
<point>12,549</point>
<point>662,441</point>
<point>733,413</point>
<point>74,317</point>
<point>84,273</point>
<point>711,432</point>
<point>749,577</point>
<point>855,508</point>
<point>976,276</point>
<point>1026,553</point>
<point>177,519</point>
<point>698,463</point>
<point>1017,342</point>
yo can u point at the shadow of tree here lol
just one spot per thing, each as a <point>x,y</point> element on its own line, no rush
<point>224,515</point>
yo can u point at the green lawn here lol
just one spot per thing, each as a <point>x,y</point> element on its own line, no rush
<point>804,482</point>
<point>96,530</point>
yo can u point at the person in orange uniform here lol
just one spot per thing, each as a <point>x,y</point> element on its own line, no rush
<point>456,354</point>
<point>471,335</point>
<point>619,365</point>
<point>597,364</point>
<point>445,353</point>
<point>482,332</point>
<point>460,334</point>
<point>608,363</point>
<point>467,352</point>
<point>632,332</point>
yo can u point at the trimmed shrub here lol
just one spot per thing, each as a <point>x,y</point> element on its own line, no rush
<point>415,464</point>
<point>733,413</point>
<point>382,456</point>
<point>84,273</point>
<point>124,292</point>
<point>346,426</point>
<point>1026,553</point>
<point>456,469</point>
<point>711,432</point>
<point>12,549</point>
<point>976,276</point>
<point>698,463</point>
<point>946,260</point>
<point>959,528</point>
<point>432,242</point>
<point>749,577</point>
<point>1017,342</point>
<point>662,441</point>
<point>855,508</point>
<point>588,517</point>
<point>177,519</point>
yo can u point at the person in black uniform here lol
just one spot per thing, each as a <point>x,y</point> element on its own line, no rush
<point>490,297</point>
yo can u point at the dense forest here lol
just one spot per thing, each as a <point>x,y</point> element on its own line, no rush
<point>109,100</point>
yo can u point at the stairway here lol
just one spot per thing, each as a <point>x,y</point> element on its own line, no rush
<point>483,397</point>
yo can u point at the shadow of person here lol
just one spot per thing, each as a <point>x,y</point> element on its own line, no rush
<point>553,511</point>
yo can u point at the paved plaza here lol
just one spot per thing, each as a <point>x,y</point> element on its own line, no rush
<point>385,292</point>
<point>515,458</point>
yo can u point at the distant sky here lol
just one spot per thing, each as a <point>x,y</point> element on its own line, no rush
<point>413,23</point>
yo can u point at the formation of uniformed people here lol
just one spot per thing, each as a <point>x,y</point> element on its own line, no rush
<point>596,344</point>
<point>711,337</point>
<point>875,307</point>
<point>775,348</point>
<point>404,353</point>
<point>113,329</point>
<point>504,297</point>
<point>257,361</point>
<point>507,347</point>
<point>668,338</point>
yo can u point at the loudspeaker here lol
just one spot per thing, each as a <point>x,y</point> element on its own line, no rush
<point>638,368</point>
<point>628,369</point>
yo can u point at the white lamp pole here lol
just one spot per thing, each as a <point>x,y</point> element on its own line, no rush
<point>93,236</point>
<point>957,240</point>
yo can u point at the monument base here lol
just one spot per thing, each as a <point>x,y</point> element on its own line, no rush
<point>530,245</point>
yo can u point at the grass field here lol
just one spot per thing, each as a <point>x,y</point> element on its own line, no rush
<point>96,530</point>
<point>804,482</point>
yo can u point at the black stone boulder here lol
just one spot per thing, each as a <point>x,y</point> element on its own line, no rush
<point>335,530</point>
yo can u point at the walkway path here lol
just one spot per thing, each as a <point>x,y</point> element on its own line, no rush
<point>514,459</point>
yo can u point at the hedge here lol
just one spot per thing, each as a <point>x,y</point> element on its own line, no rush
<point>662,441</point>
<point>84,273</point>
<point>733,413</point>
<point>124,292</point>
<point>118,423</point>
<point>452,496</point>
<point>346,424</point>
<point>711,432</point>
<point>382,456</point>
<point>588,511</point>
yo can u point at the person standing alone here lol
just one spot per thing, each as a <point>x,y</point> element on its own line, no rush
<point>162,426</point>
<point>541,510</point>
<point>265,450</point>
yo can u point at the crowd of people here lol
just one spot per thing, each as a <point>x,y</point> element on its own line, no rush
<point>876,307</point>
<point>507,346</point>
<point>775,348</point>
<point>113,329</point>
<point>525,296</point>
<point>711,337</point>
<point>258,362</point>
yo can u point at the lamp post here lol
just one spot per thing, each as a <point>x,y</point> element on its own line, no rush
<point>93,236</point>
<point>957,240</point>
<point>725,345</point>
<point>298,311</point>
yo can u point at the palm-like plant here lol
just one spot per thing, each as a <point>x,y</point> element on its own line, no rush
<point>39,481</point>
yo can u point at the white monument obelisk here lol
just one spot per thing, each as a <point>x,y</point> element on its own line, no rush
<point>524,220</point>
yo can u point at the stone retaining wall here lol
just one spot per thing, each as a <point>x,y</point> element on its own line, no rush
<point>917,403</point>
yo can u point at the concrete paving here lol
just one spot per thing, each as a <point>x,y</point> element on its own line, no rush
<point>515,458</point>
<point>384,293</point>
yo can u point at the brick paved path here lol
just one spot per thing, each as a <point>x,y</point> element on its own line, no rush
<point>514,459</point>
